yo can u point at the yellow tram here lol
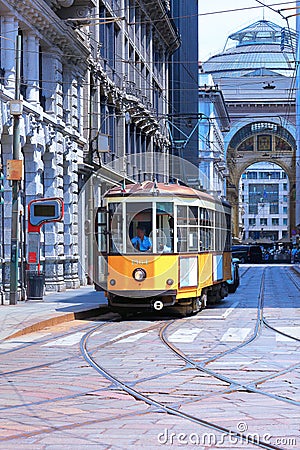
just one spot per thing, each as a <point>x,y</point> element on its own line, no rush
<point>180,259</point>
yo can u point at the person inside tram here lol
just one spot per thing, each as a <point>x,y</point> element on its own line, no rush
<point>141,242</point>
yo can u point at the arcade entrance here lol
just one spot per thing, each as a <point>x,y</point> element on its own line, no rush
<point>265,150</point>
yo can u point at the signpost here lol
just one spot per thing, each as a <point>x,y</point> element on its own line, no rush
<point>41,211</point>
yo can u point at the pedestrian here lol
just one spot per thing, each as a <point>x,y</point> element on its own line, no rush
<point>293,254</point>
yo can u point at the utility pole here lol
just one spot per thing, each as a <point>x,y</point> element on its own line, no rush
<point>15,175</point>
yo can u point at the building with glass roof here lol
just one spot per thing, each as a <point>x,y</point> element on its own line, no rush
<point>256,75</point>
<point>262,48</point>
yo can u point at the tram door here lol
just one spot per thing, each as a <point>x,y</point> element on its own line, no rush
<point>100,246</point>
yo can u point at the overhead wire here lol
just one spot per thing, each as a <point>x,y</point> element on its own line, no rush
<point>186,62</point>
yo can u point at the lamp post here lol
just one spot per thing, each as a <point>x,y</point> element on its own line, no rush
<point>15,174</point>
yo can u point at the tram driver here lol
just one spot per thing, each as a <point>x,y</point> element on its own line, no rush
<point>141,242</point>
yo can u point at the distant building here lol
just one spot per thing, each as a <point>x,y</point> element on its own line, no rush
<point>184,105</point>
<point>213,122</point>
<point>264,198</point>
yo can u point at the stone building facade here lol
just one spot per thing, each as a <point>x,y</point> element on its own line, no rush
<point>94,79</point>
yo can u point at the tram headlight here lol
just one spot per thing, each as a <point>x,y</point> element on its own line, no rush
<point>112,282</point>
<point>170,281</point>
<point>139,274</point>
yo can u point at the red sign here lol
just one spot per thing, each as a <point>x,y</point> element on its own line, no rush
<point>32,257</point>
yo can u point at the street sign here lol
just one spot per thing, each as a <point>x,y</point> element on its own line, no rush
<point>14,168</point>
<point>43,211</point>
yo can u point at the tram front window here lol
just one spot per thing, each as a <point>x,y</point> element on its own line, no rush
<point>139,232</point>
<point>139,227</point>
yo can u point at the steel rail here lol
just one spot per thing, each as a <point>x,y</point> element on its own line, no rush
<point>161,406</point>
<point>234,385</point>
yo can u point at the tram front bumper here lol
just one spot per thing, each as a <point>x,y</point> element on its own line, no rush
<point>135,299</point>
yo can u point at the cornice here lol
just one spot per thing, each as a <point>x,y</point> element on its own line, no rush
<point>36,15</point>
<point>158,11</point>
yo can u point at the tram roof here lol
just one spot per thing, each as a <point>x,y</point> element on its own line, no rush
<point>150,188</point>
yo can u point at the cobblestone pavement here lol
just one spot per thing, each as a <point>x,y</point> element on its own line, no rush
<point>51,398</point>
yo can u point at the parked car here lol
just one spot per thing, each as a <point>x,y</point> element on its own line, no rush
<point>234,283</point>
<point>247,253</point>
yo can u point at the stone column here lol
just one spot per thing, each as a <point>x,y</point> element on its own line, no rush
<point>6,146</point>
<point>71,215</point>
<point>51,85</point>
<point>9,31</point>
<point>54,237</point>
<point>31,68</point>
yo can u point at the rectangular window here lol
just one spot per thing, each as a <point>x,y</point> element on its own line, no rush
<point>274,208</point>
<point>188,232</point>
<point>139,216</point>
<point>164,227</point>
<point>275,221</point>
<point>115,228</point>
<point>285,221</point>
<point>253,208</point>
<point>206,239</point>
<point>264,221</point>
<point>252,222</point>
<point>275,175</point>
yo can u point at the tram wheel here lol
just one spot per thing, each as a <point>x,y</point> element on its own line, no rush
<point>197,305</point>
<point>182,311</point>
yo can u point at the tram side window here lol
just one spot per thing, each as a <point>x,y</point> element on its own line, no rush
<point>188,229</point>
<point>116,230</point>
<point>164,227</point>
<point>228,232</point>
<point>206,229</point>
<point>218,232</point>
<point>221,231</point>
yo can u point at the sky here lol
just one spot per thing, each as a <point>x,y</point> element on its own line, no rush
<point>214,29</point>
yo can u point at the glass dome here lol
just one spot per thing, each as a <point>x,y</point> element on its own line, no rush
<point>262,48</point>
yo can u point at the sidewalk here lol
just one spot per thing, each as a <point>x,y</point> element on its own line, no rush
<point>34,315</point>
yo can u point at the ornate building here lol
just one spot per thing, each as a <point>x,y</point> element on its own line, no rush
<point>257,78</point>
<point>94,78</point>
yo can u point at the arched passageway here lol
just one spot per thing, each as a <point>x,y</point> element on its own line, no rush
<point>261,142</point>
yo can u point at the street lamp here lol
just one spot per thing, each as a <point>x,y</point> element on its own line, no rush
<point>16,108</point>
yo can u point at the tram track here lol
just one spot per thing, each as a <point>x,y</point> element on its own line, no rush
<point>127,387</point>
<point>233,385</point>
<point>160,405</point>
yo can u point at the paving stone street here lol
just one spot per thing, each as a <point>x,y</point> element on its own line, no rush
<point>227,385</point>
